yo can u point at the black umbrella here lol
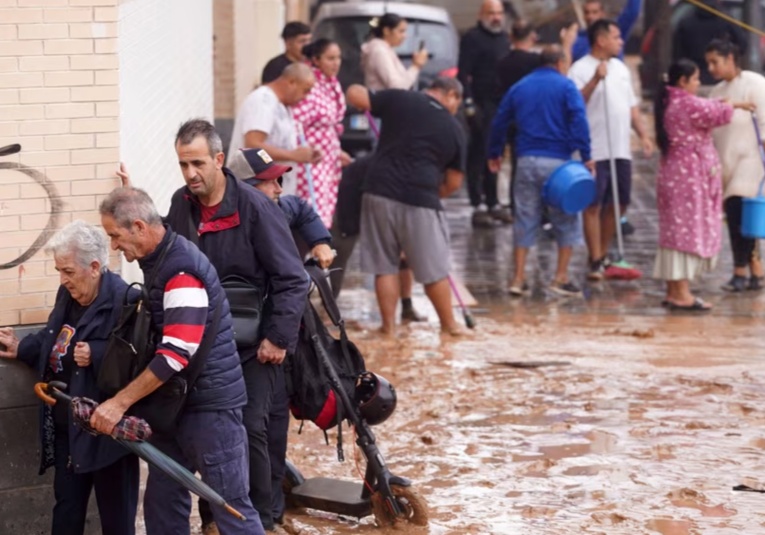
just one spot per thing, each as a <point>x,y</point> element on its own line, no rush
<point>132,432</point>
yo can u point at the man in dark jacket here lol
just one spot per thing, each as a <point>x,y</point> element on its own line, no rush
<point>245,235</point>
<point>480,50</point>
<point>694,33</point>
<point>188,306</point>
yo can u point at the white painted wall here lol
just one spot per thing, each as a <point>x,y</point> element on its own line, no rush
<point>166,77</point>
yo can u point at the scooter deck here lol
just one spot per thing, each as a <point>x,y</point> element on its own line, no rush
<point>332,495</point>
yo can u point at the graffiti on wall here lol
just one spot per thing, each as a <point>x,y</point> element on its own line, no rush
<point>56,206</point>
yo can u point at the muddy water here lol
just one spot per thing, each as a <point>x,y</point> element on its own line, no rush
<point>566,424</point>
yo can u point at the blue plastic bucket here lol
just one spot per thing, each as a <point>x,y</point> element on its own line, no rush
<point>753,217</point>
<point>570,188</point>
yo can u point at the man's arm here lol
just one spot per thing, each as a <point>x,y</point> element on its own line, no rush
<point>628,17</point>
<point>358,97</point>
<point>638,124</point>
<point>502,119</point>
<point>589,88</point>
<point>185,304</point>
<point>255,139</point>
<point>466,64</point>
<point>304,220</point>
<point>277,254</point>
<point>452,182</point>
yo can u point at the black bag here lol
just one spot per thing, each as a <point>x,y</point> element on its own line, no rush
<point>131,343</point>
<point>162,407</point>
<point>246,303</point>
<point>312,396</point>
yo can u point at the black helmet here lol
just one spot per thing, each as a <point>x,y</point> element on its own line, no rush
<point>375,397</point>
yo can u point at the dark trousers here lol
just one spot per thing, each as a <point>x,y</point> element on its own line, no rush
<point>116,489</point>
<point>266,419</point>
<point>742,247</point>
<point>344,246</point>
<point>214,444</point>
<point>481,183</point>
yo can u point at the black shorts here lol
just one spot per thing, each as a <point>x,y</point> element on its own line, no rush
<point>603,190</point>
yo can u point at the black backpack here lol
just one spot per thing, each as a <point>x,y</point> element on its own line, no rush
<point>312,396</point>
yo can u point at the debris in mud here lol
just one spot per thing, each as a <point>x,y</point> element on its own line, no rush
<point>635,333</point>
<point>532,363</point>
<point>608,519</point>
<point>427,440</point>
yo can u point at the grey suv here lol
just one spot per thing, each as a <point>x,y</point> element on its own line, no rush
<point>348,24</point>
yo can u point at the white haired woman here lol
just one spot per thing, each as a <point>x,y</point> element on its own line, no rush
<point>70,349</point>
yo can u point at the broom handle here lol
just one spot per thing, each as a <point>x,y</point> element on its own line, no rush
<point>614,178</point>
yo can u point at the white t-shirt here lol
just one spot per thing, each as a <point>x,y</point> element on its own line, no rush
<point>621,99</point>
<point>263,112</point>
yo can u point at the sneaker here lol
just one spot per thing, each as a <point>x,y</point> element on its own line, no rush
<point>627,228</point>
<point>756,283</point>
<point>597,271</point>
<point>410,314</point>
<point>622,271</point>
<point>482,218</point>
<point>210,529</point>
<point>519,291</point>
<point>568,289</point>
<point>737,283</point>
<point>502,214</point>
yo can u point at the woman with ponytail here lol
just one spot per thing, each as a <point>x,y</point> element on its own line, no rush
<point>688,186</point>
<point>742,167</point>
<point>381,65</point>
<point>320,115</point>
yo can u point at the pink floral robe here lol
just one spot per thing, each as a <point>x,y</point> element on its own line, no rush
<point>689,184</point>
<point>321,116</point>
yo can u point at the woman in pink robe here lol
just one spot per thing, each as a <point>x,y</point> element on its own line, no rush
<point>689,184</point>
<point>320,116</point>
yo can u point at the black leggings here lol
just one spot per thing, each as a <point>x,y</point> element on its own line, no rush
<point>743,248</point>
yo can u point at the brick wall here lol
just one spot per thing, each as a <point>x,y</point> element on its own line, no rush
<point>58,99</point>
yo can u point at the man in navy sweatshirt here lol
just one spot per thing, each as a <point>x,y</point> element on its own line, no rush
<point>551,123</point>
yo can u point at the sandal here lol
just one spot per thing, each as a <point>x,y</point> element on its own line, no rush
<point>698,305</point>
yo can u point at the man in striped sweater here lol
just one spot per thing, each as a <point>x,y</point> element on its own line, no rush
<point>184,295</point>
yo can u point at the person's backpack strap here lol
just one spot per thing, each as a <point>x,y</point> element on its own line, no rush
<point>148,282</point>
<point>321,280</point>
<point>200,357</point>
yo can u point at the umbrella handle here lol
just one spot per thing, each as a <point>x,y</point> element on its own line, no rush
<point>230,510</point>
<point>40,390</point>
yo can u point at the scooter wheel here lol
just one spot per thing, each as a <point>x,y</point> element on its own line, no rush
<point>414,507</point>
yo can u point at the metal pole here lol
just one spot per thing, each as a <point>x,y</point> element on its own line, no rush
<point>614,178</point>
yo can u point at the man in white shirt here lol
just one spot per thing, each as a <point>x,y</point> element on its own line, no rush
<point>600,75</point>
<point>265,122</point>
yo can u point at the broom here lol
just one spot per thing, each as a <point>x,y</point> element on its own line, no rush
<point>620,268</point>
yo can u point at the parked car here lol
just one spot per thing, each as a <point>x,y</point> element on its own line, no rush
<point>348,24</point>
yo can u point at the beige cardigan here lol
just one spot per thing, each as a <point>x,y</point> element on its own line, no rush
<point>736,142</point>
<point>383,69</point>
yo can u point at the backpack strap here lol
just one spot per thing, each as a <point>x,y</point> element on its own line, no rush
<point>321,280</point>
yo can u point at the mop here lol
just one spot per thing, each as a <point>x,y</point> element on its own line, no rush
<point>619,268</point>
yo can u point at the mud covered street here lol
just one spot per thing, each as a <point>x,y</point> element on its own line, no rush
<point>568,424</point>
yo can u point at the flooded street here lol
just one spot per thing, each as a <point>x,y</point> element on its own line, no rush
<point>568,424</point>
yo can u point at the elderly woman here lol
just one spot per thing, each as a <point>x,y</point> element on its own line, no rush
<point>70,349</point>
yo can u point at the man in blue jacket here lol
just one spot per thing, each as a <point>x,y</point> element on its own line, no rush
<point>551,123</point>
<point>593,10</point>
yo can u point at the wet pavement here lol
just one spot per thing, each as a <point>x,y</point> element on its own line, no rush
<point>606,414</point>
<point>603,415</point>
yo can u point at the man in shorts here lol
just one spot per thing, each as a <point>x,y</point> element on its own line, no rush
<point>606,84</point>
<point>419,160</point>
<point>550,124</point>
